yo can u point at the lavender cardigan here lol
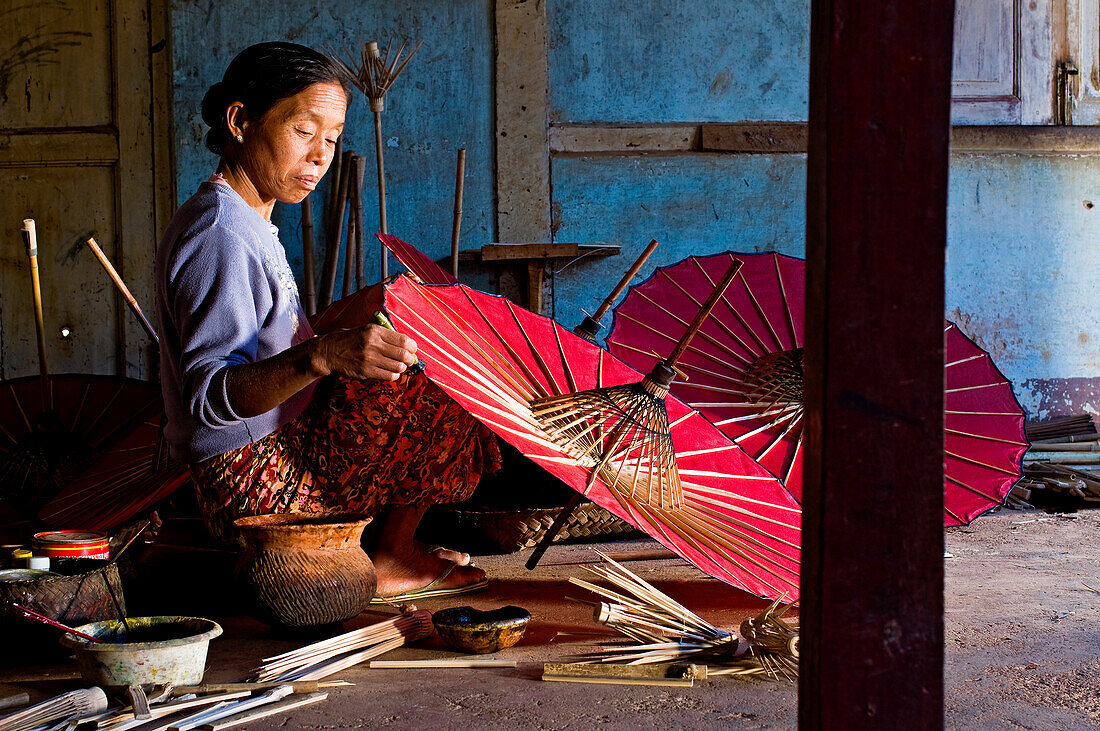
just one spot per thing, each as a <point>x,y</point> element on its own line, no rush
<point>225,296</point>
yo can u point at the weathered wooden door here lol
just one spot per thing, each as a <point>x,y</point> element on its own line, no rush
<point>1002,68</point>
<point>77,137</point>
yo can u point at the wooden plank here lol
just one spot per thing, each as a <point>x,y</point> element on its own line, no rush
<point>876,219</point>
<point>965,139</point>
<point>76,147</point>
<point>522,147</point>
<point>768,137</point>
<point>136,184</point>
<point>504,252</point>
<point>623,139</point>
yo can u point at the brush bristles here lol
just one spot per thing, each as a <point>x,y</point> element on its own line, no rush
<point>373,73</point>
<point>622,432</point>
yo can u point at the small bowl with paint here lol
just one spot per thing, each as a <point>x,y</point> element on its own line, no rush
<point>471,630</point>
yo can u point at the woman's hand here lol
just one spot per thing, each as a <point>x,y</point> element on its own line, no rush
<point>366,352</point>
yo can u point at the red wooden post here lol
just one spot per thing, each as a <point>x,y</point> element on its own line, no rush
<point>872,571</point>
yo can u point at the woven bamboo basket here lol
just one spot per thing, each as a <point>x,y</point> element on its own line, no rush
<point>508,531</point>
<point>71,600</point>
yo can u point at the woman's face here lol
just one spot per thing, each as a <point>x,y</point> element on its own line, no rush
<point>288,150</point>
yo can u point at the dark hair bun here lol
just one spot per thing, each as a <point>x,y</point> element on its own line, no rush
<point>259,76</point>
<point>214,104</point>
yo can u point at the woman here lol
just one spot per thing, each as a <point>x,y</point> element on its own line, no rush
<point>271,417</point>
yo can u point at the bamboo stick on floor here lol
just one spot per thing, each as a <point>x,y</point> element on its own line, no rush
<point>456,220</point>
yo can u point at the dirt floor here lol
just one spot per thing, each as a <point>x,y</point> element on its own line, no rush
<point>1022,650</point>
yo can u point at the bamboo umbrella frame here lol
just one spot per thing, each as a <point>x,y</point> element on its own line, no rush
<point>738,523</point>
<point>373,73</point>
<point>588,329</point>
<point>661,630</point>
<point>622,432</point>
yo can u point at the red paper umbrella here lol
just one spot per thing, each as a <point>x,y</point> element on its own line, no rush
<point>52,457</point>
<point>737,524</point>
<point>984,440</point>
<point>416,261</point>
<point>744,373</point>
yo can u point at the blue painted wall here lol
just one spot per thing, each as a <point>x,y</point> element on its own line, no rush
<point>441,102</point>
<point>1020,271</point>
<point>696,61</point>
<point>1021,276</point>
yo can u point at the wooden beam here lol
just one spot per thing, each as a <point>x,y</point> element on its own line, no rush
<point>767,137</point>
<point>623,139</point>
<point>522,147</point>
<point>872,552</point>
<point>781,138</point>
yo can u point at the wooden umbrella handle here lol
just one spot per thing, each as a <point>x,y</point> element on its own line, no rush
<point>704,313</point>
<point>307,256</point>
<point>456,219</point>
<point>624,281</point>
<point>30,240</point>
<point>123,289</point>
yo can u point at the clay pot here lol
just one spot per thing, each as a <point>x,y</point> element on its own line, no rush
<point>305,570</point>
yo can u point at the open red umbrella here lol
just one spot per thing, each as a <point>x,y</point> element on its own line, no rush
<point>737,523</point>
<point>416,261</point>
<point>744,373</point>
<point>44,451</point>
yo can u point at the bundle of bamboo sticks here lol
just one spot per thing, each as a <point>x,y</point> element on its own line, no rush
<point>74,703</point>
<point>661,630</point>
<point>324,658</point>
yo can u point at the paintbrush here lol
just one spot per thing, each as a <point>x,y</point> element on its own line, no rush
<point>31,614</point>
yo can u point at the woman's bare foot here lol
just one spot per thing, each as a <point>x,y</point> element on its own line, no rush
<point>401,572</point>
<point>447,554</point>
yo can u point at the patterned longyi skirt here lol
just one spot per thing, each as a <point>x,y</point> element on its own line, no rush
<point>360,446</point>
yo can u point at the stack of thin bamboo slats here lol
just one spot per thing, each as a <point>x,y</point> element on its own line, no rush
<point>661,630</point>
<point>324,658</point>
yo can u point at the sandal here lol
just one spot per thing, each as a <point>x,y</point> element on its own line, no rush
<point>433,589</point>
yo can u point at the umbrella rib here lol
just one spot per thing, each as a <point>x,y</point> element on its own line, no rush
<point>517,386</point>
<point>711,450</point>
<point>691,348</point>
<point>966,360</point>
<point>743,524</point>
<point>520,375</point>
<point>725,548</point>
<point>534,351</point>
<point>786,304</point>
<point>769,412</point>
<point>681,420</point>
<point>725,328</point>
<point>729,305</point>
<point>954,515</point>
<point>790,465</point>
<point>102,412</point>
<point>976,388</point>
<point>974,490</point>
<point>720,525</point>
<point>517,378</point>
<point>565,361</point>
<point>698,490</point>
<point>80,407</point>
<point>19,406</point>
<point>760,312</point>
<point>985,437</point>
<point>782,437</point>
<point>961,458</point>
